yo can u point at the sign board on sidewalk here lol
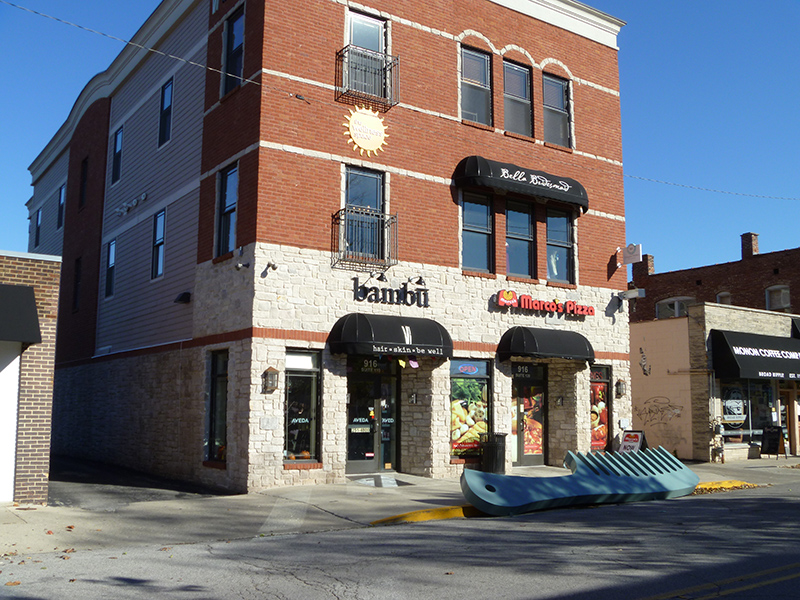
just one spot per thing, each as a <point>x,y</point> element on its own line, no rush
<point>632,441</point>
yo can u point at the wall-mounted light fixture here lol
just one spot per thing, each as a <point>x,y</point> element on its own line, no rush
<point>620,388</point>
<point>417,280</point>
<point>271,265</point>
<point>240,266</point>
<point>269,380</point>
<point>183,298</point>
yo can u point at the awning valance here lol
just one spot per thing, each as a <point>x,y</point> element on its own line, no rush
<point>476,170</point>
<point>737,355</point>
<point>19,319</point>
<point>544,343</point>
<point>359,333</point>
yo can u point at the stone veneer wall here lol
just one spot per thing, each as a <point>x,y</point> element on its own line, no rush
<point>148,411</point>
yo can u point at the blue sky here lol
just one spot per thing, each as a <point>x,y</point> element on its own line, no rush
<point>709,95</point>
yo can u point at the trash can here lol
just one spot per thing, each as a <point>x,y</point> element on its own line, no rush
<point>493,448</point>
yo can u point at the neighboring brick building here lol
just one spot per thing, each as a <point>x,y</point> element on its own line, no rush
<point>29,286</point>
<point>365,235</point>
<point>715,345</point>
<point>765,281</point>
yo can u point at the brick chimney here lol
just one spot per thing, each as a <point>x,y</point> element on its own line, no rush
<point>644,268</point>
<point>749,244</point>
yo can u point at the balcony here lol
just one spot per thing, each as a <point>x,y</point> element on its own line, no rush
<point>363,238</point>
<point>367,78</point>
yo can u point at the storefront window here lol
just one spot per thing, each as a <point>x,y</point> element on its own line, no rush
<point>469,405</point>
<point>600,406</point>
<point>302,402</point>
<point>748,405</point>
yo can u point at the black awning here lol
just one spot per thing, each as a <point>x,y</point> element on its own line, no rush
<point>19,319</point>
<point>736,355</point>
<point>476,170</point>
<point>358,333</point>
<point>544,343</point>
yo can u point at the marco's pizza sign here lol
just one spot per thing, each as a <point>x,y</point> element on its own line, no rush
<point>509,298</point>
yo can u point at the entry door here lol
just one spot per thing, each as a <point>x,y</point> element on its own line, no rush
<point>530,422</point>
<point>371,423</point>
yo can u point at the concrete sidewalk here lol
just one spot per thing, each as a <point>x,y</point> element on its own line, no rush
<point>87,514</point>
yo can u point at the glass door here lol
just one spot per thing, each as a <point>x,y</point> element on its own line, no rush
<point>371,416</point>
<point>528,426</point>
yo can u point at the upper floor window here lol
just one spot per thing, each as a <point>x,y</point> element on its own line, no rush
<point>226,217</point>
<point>365,69</point>
<point>519,240</point>
<point>157,261</point>
<point>560,251</point>
<point>364,201</point>
<point>62,198</point>
<point>111,261</point>
<point>37,228</point>
<point>556,111</point>
<point>778,298</point>
<point>477,239</point>
<point>233,60</point>
<point>365,73</point>
<point>517,99</point>
<point>84,182</point>
<point>673,307</point>
<point>165,114</point>
<point>476,86</point>
<point>116,161</point>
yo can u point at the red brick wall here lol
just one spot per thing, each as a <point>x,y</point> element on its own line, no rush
<point>746,280</point>
<point>82,234</point>
<point>36,376</point>
<point>296,195</point>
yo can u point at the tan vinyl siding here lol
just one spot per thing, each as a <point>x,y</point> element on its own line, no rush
<point>142,311</point>
<point>45,197</point>
<point>147,169</point>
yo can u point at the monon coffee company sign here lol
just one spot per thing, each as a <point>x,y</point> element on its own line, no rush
<point>509,298</point>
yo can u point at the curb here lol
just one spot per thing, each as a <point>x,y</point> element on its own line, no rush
<point>468,511</point>
<point>432,514</point>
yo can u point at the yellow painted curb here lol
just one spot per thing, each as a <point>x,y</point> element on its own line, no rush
<point>728,484</point>
<point>432,514</point>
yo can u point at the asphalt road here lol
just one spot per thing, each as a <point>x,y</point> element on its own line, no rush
<point>740,544</point>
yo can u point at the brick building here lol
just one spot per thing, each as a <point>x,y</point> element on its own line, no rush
<point>363,236</point>
<point>717,345</point>
<point>29,286</point>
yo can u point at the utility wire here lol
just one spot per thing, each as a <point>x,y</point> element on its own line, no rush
<point>245,80</point>
<point>127,42</point>
<point>702,189</point>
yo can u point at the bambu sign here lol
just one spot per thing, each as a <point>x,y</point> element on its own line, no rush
<point>506,298</point>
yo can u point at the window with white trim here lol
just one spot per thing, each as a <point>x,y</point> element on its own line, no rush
<point>476,86</point>
<point>556,111</point>
<point>778,298</point>
<point>165,114</point>
<point>517,99</point>
<point>116,159</point>
<point>673,307</point>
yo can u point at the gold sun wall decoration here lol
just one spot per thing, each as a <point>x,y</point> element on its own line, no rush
<point>365,130</point>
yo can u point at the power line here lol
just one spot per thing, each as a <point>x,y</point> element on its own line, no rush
<point>702,189</point>
<point>128,42</point>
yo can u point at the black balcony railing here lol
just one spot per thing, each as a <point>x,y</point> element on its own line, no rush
<point>363,237</point>
<point>367,78</point>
